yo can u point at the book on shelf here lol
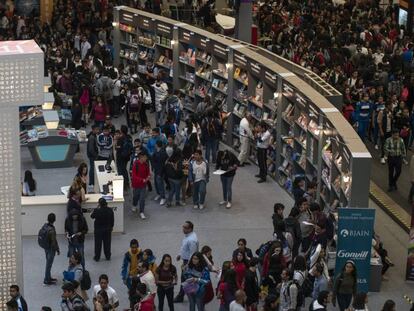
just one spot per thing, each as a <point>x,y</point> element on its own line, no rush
<point>237,73</point>
<point>32,135</point>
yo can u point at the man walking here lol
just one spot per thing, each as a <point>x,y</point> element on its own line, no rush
<point>47,240</point>
<point>104,223</point>
<point>76,228</point>
<point>198,176</point>
<point>15,296</point>
<point>246,134</point>
<point>92,152</point>
<point>263,140</point>
<point>189,246</point>
<point>140,177</point>
<point>105,143</point>
<point>113,299</point>
<point>395,152</point>
<point>159,158</point>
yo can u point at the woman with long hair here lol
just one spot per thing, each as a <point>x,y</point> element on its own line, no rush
<point>148,256</point>
<point>166,278</point>
<point>83,175</point>
<point>227,289</point>
<point>389,305</point>
<point>299,269</point>
<point>29,184</point>
<point>360,302</point>
<point>240,267</point>
<point>345,286</point>
<point>101,300</point>
<point>208,257</point>
<point>196,276</point>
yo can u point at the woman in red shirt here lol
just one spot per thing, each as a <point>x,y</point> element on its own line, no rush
<point>240,266</point>
<point>98,112</point>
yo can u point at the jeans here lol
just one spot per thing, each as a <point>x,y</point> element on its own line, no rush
<point>163,292</point>
<point>211,147</point>
<point>50,256</point>
<point>91,171</point>
<point>175,188</point>
<point>394,170</point>
<point>362,129</point>
<point>138,195</point>
<point>116,105</point>
<point>199,192</point>
<point>159,118</point>
<point>121,166</point>
<point>226,182</point>
<point>244,149</point>
<point>196,300</point>
<point>159,186</point>
<point>344,301</point>
<point>262,160</point>
<point>77,247</point>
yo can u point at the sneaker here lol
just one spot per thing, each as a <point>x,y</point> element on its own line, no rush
<point>376,147</point>
<point>228,205</point>
<point>162,202</point>
<point>382,161</point>
<point>222,202</point>
<point>157,198</point>
<point>201,206</point>
<point>195,207</point>
<point>405,161</point>
<point>133,209</point>
<point>142,215</point>
<point>180,203</point>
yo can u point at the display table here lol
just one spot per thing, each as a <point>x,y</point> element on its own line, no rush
<point>35,210</point>
<point>102,177</point>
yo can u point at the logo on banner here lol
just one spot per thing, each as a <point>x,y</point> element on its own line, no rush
<point>355,233</point>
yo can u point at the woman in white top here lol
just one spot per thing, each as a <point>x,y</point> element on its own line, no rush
<point>299,269</point>
<point>29,184</point>
<point>206,251</point>
<point>319,256</point>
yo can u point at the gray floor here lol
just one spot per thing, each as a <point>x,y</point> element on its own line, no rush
<point>215,226</point>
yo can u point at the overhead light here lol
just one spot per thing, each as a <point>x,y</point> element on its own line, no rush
<point>172,42</point>
<point>275,95</point>
<point>114,24</point>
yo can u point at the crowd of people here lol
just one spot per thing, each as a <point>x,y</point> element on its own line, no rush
<point>283,274</point>
<point>359,48</point>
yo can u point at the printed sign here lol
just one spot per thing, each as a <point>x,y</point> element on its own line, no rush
<point>355,232</point>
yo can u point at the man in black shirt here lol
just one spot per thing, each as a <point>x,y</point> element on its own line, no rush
<point>104,223</point>
<point>251,285</point>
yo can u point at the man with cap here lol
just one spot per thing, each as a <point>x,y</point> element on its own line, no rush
<point>104,223</point>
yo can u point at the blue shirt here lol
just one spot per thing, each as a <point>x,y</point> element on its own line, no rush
<point>319,285</point>
<point>363,110</point>
<point>153,141</point>
<point>189,246</point>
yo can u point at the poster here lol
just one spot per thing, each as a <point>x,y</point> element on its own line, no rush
<point>27,7</point>
<point>409,274</point>
<point>355,232</point>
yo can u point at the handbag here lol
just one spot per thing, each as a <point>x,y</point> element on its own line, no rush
<point>190,288</point>
<point>208,293</point>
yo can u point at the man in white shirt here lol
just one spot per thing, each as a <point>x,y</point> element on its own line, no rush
<point>263,137</point>
<point>85,46</point>
<point>198,176</point>
<point>240,300</point>
<point>147,277</point>
<point>246,134</point>
<point>104,285</point>
<point>116,92</point>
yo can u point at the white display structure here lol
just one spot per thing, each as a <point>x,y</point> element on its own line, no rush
<point>21,84</point>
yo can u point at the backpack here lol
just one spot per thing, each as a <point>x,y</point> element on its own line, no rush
<point>307,286</point>
<point>262,251</point>
<point>300,298</point>
<point>134,101</point>
<point>85,283</point>
<point>42,237</point>
<point>127,148</point>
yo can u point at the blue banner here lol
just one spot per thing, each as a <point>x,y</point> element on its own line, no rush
<point>355,232</point>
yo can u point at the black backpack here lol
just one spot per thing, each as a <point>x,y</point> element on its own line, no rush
<point>300,298</point>
<point>43,238</point>
<point>85,283</point>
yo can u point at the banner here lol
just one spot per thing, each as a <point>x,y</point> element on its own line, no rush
<point>409,274</point>
<point>355,232</point>
<point>27,7</point>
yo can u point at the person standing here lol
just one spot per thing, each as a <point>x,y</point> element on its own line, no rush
<point>246,135</point>
<point>18,298</point>
<point>76,228</point>
<point>228,162</point>
<point>124,149</point>
<point>321,283</point>
<point>166,278</point>
<point>411,194</point>
<point>130,263</point>
<point>175,173</point>
<point>161,93</point>
<point>263,137</point>
<point>288,292</point>
<point>113,299</point>
<point>140,176</point>
<point>198,176</point>
<point>251,286</point>
<point>104,223</point>
<point>158,160</point>
<point>345,286</point>
<point>395,152</point>
<point>47,240</point>
<point>147,277</point>
<point>189,246</point>
<point>211,130</point>
<point>385,120</point>
<point>92,152</point>
<point>105,144</point>
<point>71,301</point>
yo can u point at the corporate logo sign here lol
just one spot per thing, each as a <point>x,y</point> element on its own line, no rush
<point>355,232</point>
